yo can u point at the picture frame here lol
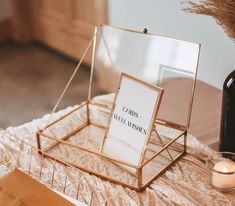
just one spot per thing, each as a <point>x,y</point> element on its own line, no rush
<point>132,119</point>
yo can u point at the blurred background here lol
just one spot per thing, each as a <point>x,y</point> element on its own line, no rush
<point>41,42</point>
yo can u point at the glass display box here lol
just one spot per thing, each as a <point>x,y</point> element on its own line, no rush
<point>165,62</point>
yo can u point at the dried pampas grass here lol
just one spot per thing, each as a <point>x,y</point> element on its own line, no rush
<point>222,10</point>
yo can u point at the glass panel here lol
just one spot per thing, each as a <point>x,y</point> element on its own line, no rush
<point>162,61</point>
<point>162,160</point>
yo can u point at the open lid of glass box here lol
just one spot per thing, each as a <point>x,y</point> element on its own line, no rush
<point>165,62</point>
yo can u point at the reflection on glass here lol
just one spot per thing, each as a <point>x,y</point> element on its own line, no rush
<point>162,61</point>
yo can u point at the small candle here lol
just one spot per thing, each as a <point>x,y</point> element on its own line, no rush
<point>223,181</point>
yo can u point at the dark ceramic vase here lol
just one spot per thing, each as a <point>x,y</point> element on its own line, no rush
<point>227,126</point>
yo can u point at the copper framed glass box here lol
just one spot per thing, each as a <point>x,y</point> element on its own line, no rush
<point>161,61</point>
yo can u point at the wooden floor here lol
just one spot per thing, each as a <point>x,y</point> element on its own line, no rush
<point>33,77</point>
<point>206,114</point>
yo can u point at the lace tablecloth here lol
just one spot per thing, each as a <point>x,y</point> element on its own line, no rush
<point>186,183</point>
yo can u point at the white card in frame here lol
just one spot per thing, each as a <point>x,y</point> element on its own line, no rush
<point>133,116</point>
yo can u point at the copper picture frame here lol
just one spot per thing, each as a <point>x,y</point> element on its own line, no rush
<point>157,100</point>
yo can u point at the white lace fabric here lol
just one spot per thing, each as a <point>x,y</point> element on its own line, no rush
<point>186,183</point>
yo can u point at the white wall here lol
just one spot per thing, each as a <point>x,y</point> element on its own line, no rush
<point>5,10</point>
<point>165,17</point>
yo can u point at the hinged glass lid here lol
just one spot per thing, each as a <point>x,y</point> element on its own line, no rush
<point>165,62</point>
